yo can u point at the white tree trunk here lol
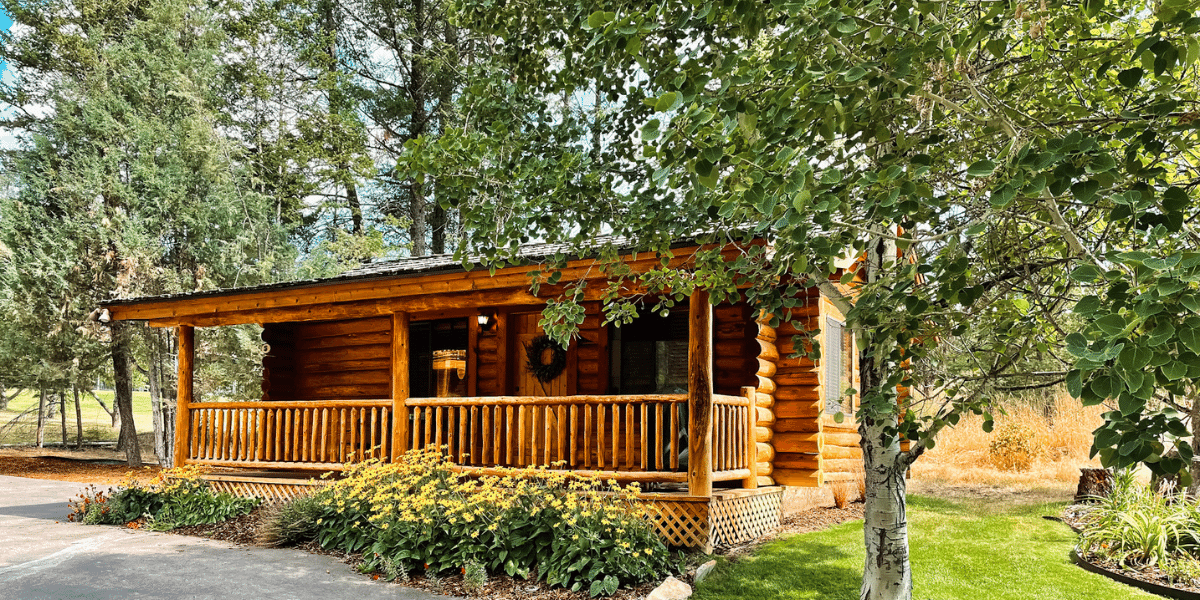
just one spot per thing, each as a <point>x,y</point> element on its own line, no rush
<point>886,573</point>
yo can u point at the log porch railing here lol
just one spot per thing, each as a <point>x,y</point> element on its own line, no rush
<point>632,438</point>
<point>318,435</point>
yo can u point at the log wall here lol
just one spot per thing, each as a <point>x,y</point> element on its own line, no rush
<point>796,432</point>
<point>328,360</point>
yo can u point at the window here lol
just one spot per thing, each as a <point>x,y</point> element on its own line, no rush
<point>437,358</point>
<point>837,354</point>
<point>649,355</point>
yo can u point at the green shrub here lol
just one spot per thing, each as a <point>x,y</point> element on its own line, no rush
<point>576,532</point>
<point>290,523</point>
<point>174,498</point>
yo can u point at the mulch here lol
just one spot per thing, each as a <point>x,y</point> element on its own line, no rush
<point>61,468</point>
<point>241,530</point>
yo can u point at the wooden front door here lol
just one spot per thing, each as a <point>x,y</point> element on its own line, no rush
<point>525,328</point>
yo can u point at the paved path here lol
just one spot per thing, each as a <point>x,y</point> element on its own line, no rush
<point>43,557</point>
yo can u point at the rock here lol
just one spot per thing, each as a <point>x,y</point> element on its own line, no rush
<point>703,570</point>
<point>671,589</point>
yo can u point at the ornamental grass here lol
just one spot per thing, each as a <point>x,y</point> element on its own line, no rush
<point>577,532</point>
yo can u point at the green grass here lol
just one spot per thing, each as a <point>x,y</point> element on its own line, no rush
<point>97,425</point>
<point>959,551</point>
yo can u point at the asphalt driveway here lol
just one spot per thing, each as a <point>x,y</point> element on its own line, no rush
<point>43,557</point>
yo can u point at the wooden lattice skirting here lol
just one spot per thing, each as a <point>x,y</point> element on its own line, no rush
<point>728,518</point>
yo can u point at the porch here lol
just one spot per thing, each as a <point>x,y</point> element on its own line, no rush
<point>685,441</point>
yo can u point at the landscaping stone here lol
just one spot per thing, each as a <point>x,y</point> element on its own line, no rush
<point>703,570</point>
<point>671,589</point>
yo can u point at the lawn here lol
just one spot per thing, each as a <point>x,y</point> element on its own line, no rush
<point>959,550</point>
<point>97,425</point>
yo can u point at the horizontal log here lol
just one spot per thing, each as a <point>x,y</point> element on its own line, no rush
<point>796,394</point>
<point>592,321</point>
<point>796,426</point>
<point>262,464</point>
<point>551,400</point>
<point>736,363</point>
<point>309,331</point>
<point>796,409</point>
<point>765,416</point>
<point>588,352</point>
<point>729,400</point>
<point>364,364</point>
<point>488,344</point>
<point>807,443</point>
<point>763,434</point>
<point>765,481</point>
<point>764,400</point>
<point>588,367</point>
<point>342,341</point>
<point>802,378</point>
<point>334,392</point>
<point>641,476</point>
<point>788,362</point>
<point>797,478</point>
<point>735,348</point>
<point>765,385</point>
<point>345,354</point>
<point>730,475</point>
<point>802,462</point>
<point>291,404</point>
<point>763,468</point>
<point>306,379</point>
<point>765,452</point>
<point>590,384</point>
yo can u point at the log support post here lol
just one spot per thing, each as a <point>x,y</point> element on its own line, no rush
<point>183,395</point>
<point>400,384</point>
<point>700,395</point>
<point>750,393</point>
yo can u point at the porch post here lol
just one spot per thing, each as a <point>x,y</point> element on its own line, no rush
<point>700,395</point>
<point>400,388</point>
<point>183,394</point>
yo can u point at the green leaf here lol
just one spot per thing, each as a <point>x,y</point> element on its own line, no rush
<point>831,177</point>
<point>981,168</point>
<point>1085,191</point>
<point>1174,370</point>
<point>1111,324</point>
<point>1092,8</point>
<point>854,74</point>
<point>1130,77</point>
<point>666,101</point>
<point>1086,273</point>
<point>1130,405</point>
<point>1175,199</point>
<point>600,18</point>
<point>1074,383</point>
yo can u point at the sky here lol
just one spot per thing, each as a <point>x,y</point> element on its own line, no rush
<point>5,22</point>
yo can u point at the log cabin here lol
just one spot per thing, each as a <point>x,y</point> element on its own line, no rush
<point>706,406</point>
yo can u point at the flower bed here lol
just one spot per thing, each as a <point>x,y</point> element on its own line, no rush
<point>418,514</point>
<point>1145,534</point>
<point>174,498</point>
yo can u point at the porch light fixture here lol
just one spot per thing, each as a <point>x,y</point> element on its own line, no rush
<point>485,321</point>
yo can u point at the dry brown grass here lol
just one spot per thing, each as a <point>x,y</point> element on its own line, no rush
<point>1060,438</point>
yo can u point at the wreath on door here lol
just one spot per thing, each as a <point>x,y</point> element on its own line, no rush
<point>535,359</point>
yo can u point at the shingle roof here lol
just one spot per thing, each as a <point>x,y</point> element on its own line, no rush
<point>385,269</point>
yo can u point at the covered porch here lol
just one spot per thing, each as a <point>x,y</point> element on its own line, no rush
<point>690,440</point>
